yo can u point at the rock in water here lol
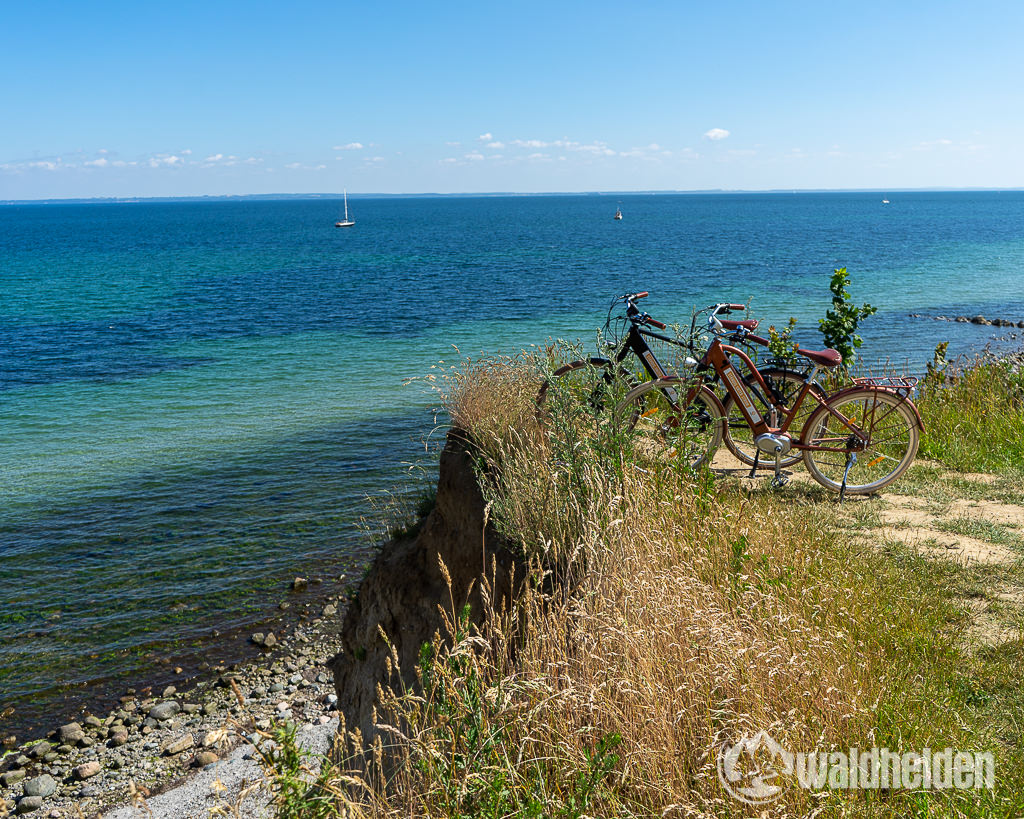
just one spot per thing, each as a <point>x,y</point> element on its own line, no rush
<point>70,734</point>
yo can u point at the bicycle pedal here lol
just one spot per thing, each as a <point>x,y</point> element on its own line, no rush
<point>779,481</point>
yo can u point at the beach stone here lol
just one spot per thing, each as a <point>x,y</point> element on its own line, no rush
<point>300,584</point>
<point>979,319</point>
<point>87,770</point>
<point>93,722</point>
<point>209,708</point>
<point>204,758</point>
<point>12,777</point>
<point>284,605</point>
<point>27,804</point>
<point>64,750</point>
<point>169,691</point>
<point>164,711</point>
<point>330,611</point>
<point>190,708</point>
<point>118,738</point>
<point>270,640</point>
<point>70,734</point>
<point>177,746</point>
<point>39,750</point>
<point>44,785</point>
<point>258,638</point>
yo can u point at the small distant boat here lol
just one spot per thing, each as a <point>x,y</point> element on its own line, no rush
<point>618,213</point>
<point>885,201</point>
<point>345,221</point>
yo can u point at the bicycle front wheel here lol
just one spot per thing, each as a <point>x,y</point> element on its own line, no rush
<point>665,427</point>
<point>587,389</point>
<point>893,435</point>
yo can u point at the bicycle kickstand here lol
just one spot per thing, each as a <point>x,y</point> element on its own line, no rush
<point>851,459</point>
<point>779,480</point>
<point>757,458</point>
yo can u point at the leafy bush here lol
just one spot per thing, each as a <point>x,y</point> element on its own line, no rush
<point>839,327</point>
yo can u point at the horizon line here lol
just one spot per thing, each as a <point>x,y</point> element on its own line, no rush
<point>493,194</point>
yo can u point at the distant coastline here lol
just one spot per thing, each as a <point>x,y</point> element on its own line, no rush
<point>279,197</point>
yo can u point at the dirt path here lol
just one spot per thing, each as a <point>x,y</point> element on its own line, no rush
<point>974,520</point>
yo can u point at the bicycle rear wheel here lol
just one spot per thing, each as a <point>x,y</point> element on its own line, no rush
<point>893,435</point>
<point>663,431</point>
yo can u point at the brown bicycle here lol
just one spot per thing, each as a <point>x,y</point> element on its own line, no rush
<point>856,440</point>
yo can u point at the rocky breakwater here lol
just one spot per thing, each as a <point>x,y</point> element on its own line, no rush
<point>979,320</point>
<point>399,603</point>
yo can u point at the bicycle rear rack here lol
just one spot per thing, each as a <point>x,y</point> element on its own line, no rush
<point>902,385</point>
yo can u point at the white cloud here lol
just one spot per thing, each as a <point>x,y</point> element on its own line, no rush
<point>214,158</point>
<point>97,163</point>
<point>475,156</point>
<point>351,146</point>
<point>486,137</point>
<point>716,134</point>
<point>162,160</point>
<point>933,143</point>
<point>496,145</point>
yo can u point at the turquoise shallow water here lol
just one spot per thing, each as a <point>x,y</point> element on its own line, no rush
<point>195,398</point>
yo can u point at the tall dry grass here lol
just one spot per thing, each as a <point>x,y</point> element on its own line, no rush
<point>666,616</point>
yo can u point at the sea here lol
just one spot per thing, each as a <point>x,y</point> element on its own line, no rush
<point>200,401</point>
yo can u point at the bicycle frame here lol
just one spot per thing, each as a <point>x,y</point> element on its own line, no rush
<point>717,358</point>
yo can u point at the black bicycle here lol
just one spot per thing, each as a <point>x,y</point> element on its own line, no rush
<point>599,383</point>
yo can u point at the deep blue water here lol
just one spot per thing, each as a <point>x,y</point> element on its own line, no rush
<point>195,398</point>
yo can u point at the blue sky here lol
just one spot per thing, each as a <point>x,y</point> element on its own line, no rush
<point>145,99</point>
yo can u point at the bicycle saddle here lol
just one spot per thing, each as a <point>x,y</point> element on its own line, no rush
<point>826,358</point>
<point>748,324</point>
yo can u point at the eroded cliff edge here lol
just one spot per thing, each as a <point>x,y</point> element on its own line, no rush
<point>405,589</point>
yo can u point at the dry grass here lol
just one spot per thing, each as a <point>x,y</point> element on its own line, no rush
<point>683,615</point>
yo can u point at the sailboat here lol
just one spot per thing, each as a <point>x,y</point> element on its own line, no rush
<point>618,214</point>
<point>345,222</point>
